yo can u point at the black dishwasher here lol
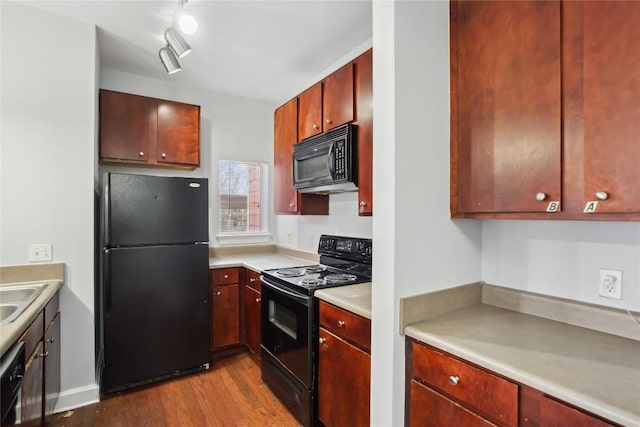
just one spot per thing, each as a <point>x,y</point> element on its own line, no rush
<point>11,373</point>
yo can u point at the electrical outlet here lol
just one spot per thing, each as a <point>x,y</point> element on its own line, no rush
<point>41,252</point>
<point>610,285</point>
<point>289,237</point>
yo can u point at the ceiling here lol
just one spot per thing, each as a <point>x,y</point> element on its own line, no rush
<point>265,49</point>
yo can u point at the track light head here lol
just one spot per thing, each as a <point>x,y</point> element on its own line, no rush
<point>177,43</point>
<point>169,60</point>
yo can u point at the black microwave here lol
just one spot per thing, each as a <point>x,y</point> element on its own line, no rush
<point>326,163</point>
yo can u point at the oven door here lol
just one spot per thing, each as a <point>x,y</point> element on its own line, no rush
<point>286,329</point>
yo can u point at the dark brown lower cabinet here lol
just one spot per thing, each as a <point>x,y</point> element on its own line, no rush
<point>225,316</point>
<point>252,304</point>
<point>52,366</point>
<point>444,390</point>
<point>344,368</point>
<point>32,386</point>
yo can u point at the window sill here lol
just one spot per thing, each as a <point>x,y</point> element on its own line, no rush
<point>243,239</point>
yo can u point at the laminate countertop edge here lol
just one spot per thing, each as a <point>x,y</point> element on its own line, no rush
<point>593,370</point>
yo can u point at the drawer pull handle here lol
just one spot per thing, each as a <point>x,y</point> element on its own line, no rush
<point>341,323</point>
<point>454,380</point>
<point>322,340</point>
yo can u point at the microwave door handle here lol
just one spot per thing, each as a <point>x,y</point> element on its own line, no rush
<point>331,159</point>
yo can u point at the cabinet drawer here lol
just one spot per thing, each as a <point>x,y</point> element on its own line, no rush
<point>354,328</point>
<point>33,335</point>
<point>429,408</point>
<point>253,280</point>
<point>225,276</point>
<point>468,384</point>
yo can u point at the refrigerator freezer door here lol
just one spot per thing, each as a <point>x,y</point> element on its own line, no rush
<point>156,312</point>
<point>154,210</point>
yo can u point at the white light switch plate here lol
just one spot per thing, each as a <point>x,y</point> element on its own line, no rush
<point>41,252</point>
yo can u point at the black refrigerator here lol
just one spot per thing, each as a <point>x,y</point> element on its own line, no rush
<point>154,289</point>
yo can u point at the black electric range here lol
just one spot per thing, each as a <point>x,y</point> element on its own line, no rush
<point>289,335</point>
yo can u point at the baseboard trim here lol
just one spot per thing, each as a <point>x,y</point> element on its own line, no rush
<point>78,397</point>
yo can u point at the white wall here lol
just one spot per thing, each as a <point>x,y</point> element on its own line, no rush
<point>417,247</point>
<point>48,80</point>
<point>231,128</point>
<point>563,258</point>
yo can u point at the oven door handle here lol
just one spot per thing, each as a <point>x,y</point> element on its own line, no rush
<point>300,298</point>
<point>331,160</point>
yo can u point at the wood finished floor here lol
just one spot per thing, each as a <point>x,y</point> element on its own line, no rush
<point>229,394</point>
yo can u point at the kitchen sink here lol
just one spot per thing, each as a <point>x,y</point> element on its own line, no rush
<point>15,299</point>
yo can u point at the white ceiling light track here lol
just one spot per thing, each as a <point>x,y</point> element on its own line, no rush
<point>177,46</point>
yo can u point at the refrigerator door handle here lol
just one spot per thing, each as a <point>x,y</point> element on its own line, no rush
<point>107,281</point>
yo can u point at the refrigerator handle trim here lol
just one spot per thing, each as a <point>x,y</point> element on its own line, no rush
<point>107,282</point>
<point>105,210</point>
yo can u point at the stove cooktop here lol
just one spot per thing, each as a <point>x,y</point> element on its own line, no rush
<point>312,277</point>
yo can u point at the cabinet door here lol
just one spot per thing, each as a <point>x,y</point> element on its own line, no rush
<point>52,366</point>
<point>429,408</point>
<point>31,392</point>
<point>285,197</point>
<point>612,105</point>
<point>364,120</point>
<point>252,304</point>
<point>178,133</point>
<point>310,112</point>
<point>337,98</point>
<point>344,373</point>
<point>556,414</point>
<point>127,126</point>
<point>506,106</point>
<point>225,319</point>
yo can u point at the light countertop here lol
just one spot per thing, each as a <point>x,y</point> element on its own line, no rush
<point>52,275</point>
<point>258,261</point>
<point>593,370</point>
<point>353,298</point>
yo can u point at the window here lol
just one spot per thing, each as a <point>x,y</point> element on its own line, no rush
<point>242,193</point>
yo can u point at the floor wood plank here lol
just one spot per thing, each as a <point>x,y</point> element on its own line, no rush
<point>229,394</point>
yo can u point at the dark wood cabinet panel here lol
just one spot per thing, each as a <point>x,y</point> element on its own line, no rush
<point>348,325</point>
<point>32,392</point>
<point>139,130</point>
<point>252,304</point>
<point>310,112</point>
<point>462,381</point>
<point>225,317</point>
<point>506,99</point>
<point>611,91</point>
<point>363,86</point>
<point>337,98</point>
<point>344,373</point>
<point>557,414</point>
<point>178,133</point>
<point>430,408</point>
<point>52,365</point>
<point>128,126</point>
<point>286,199</point>
<point>225,276</point>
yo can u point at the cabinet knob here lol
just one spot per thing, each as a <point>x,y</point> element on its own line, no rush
<point>291,205</point>
<point>322,340</point>
<point>341,323</point>
<point>454,380</point>
<point>602,195</point>
<point>252,279</point>
<point>541,196</point>
<point>226,276</point>
<point>258,299</point>
<point>315,126</point>
<point>141,153</point>
<point>363,203</point>
<point>164,155</point>
<point>218,293</point>
<point>45,354</point>
<point>329,121</point>
<point>51,340</point>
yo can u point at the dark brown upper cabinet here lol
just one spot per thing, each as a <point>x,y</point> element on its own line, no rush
<point>141,131</point>
<point>545,114</point>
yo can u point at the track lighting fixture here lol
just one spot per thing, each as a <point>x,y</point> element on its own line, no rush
<point>177,46</point>
<point>169,60</point>
<point>176,42</point>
